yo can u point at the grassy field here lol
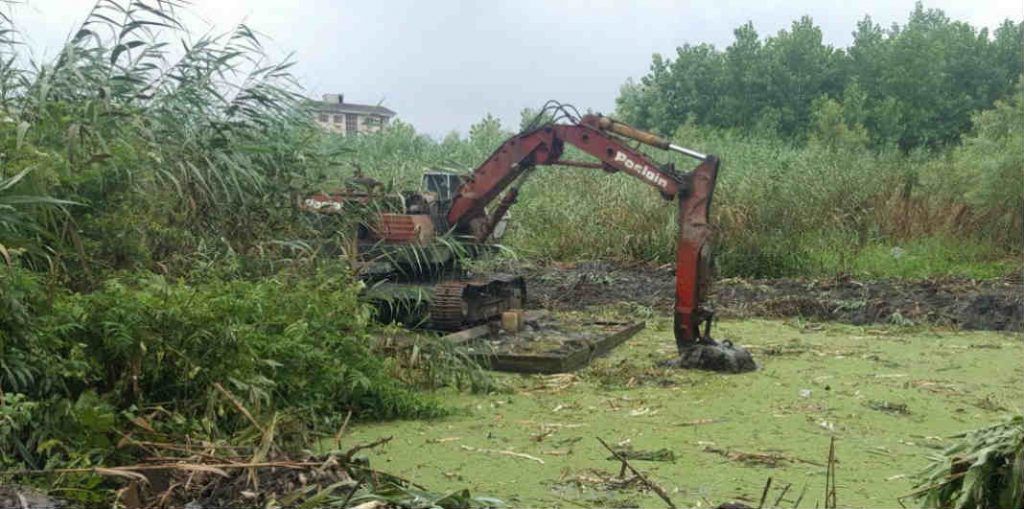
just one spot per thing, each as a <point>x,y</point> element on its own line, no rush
<point>890,396</point>
<point>780,208</point>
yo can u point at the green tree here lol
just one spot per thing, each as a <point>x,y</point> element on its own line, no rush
<point>923,80</point>
<point>744,87</point>
<point>913,85</point>
<point>799,68</point>
<point>990,168</point>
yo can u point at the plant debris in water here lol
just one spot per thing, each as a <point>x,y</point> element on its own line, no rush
<point>630,453</point>
<point>195,478</point>
<point>546,334</point>
<point>889,407</point>
<point>984,469</point>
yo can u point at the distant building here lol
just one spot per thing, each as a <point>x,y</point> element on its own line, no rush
<point>336,115</point>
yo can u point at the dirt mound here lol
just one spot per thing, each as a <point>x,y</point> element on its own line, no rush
<point>967,304</point>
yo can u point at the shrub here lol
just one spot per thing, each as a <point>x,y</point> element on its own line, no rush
<point>286,342</point>
<point>209,146</point>
<point>289,344</point>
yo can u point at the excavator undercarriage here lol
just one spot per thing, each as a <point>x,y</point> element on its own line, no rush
<point>459,304</point>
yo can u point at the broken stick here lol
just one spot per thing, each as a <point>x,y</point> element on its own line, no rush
<point>347,457</point>
<point>504,453</point>
<point>650,484</point>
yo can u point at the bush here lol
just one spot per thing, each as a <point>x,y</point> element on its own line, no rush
<point>79,365</point>
<point>155,156</point>
<point>285,342</point>
<point>981,183</point>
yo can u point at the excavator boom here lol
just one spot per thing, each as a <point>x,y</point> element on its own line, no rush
<point>601,137</point>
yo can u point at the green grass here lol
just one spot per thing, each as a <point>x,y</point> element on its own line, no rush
<point>780,209</point>
<point>948,381</point>
<point>925,258</point>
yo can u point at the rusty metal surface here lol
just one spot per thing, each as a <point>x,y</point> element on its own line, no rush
<point>544,146</point>
<point>446,306</point>
<point>416,229</point>
<point>631,132</point>
<point>458,304</point>
<point>693,258</point>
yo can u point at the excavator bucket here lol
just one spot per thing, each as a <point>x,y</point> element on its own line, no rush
<point>697,350</point>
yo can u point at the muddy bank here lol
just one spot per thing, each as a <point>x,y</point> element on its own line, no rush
<point>966,304</point>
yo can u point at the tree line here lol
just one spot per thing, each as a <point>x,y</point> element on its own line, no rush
<point>911,85</point>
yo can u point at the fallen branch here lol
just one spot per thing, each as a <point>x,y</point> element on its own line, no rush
<point>650,484</point>
<point>764,493</point>
<point>341,431</point>
<point>504,453</point>
<point>238,405</point>
<point>352,452</point>
<point>768,459</point>
<point>166,466</point>
<point>699,422</point>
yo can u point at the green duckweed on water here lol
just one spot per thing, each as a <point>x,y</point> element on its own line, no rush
<point>889,396</point>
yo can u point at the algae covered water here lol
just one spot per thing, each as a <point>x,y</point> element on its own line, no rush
<point>890,397</point>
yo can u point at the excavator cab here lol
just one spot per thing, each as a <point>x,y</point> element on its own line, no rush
<point>444,184</point>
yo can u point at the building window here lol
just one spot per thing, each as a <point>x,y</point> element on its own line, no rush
<point>374,121</point>
<point>324,118</point>
<point>350,123</point>
<point>338,119</point>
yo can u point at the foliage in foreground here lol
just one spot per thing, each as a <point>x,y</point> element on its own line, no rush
<point>151,262</point>
<point>984,470</point>
<point>153,266</point>
<point>83,365</point>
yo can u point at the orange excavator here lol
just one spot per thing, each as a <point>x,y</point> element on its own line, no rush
<point>472,207</point>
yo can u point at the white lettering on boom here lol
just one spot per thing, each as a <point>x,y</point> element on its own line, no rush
<point>641,170</point>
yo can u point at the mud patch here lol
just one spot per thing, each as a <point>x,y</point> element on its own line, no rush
<point>547,344</point>
<point>963,303</point>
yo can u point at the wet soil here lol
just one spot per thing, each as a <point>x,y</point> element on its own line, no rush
<point>544,335</point>
<point>957,302</point>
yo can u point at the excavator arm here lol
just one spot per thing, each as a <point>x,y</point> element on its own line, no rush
<point>600,137</point>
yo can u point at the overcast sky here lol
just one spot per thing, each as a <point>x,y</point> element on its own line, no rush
<point>442,64</point>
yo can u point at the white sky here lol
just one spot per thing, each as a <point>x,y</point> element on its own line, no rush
<point>443,64</point>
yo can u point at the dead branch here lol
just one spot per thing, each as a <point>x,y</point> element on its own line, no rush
<point>347,457</point>
<point>165,466</point>
<point>764,493</point>
<point>504,453</point>
<point>341,431</point>
<point>643,478</point>
<point>238,405</point>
